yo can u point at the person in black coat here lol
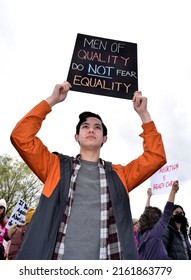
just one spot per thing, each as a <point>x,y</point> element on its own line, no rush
<point>175,237</point>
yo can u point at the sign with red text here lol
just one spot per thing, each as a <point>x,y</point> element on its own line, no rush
<point>104,67</point>
<point>18,215</point>
<point>162,180</point>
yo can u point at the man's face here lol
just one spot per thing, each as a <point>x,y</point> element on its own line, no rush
<point>91,133</point>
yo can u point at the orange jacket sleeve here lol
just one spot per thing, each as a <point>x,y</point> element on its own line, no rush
<point>36,155</point>
<point>151,160</point>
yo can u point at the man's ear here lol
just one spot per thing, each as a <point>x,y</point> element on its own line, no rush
<point>104,139</point>
<point>76,136</point>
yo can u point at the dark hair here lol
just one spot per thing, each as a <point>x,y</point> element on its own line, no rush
<point>178,206</point>
<point>149,218</point>
<point>185,225</point>
<point>2,218</point>
<point>83,117</point>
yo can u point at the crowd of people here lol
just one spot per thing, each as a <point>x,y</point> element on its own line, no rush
<point>11,238</point>
<point>159,235</point>
<point>163,235</point>
<point>84,209</point>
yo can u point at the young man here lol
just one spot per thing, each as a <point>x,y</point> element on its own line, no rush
<point>84,210</point>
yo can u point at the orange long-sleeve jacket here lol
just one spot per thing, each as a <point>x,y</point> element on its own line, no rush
<point>46,165</point>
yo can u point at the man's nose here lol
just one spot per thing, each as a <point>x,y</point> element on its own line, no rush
<point>91,129</point>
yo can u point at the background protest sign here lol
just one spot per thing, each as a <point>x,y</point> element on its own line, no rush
<point>162,180</point>
<point>104,67</point>
<point>18,214</point>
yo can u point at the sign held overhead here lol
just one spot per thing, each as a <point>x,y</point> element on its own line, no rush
<point>104,67</point>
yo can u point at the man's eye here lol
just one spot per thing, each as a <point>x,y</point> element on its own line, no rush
<point>84,126</point>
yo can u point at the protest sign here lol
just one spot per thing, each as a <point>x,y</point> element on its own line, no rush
<point>162,180</point>
<point>18,214</point>
<point>104,67</point>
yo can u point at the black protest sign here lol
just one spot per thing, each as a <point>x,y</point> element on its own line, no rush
<point>104,67</point>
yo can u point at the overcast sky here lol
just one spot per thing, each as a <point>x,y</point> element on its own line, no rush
<point>37,38</point>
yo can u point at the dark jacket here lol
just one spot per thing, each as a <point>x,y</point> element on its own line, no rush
<point>174,244</point>
<point>50,211</point>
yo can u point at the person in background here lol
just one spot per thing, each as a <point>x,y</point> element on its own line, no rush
<point>149,194</point>
<point>84,210</point>
<point>152,224</point>
<point>135,229</point>
<point>136,221</point>
<point>16,234</point>
<point>175,237</point>
<point>3,229</point>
